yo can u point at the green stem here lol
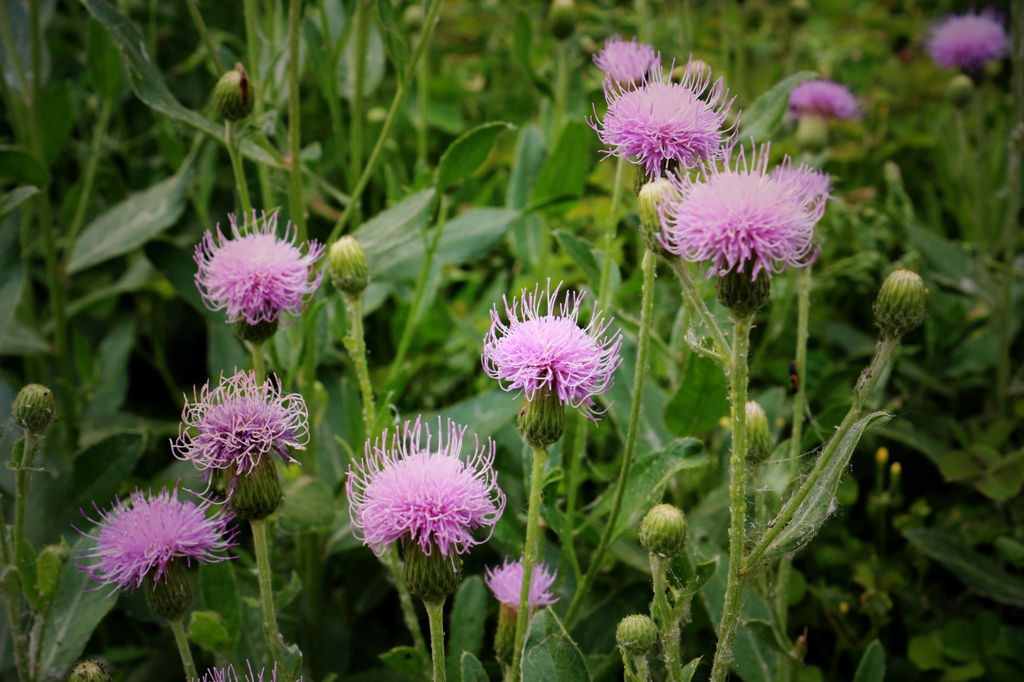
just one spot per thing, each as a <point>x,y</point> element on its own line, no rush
<point>21,488</point>
<point>258,364</point>
<point>608,245</point>
<point>422,108</point>
<point>665,617</point>
<point>96,144</point>
<point>643,668</point>
<point>361,29</point>
<point>540,459</point>
<point>412,623</point>
<point>737,496</point>
<point>696,303</point>
<point>389,119</point>
<point>181,639</point>
<point>262,552</point>
<point>252,44</point>
<point>803,283</point>
<point>867,380</point>
<point>231,142</point>
<point>648,265</point>
<point>204,35</point>
<point>355,342</point>
<point>561,90</point>
<point>435,615</point>
<point>295,203</point>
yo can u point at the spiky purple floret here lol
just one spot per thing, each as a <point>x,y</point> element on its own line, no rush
<point>229,674</point>
<point>143,535</point>
<point>823,98</point>
<point>411,487</point>
<point>662,123</point>
<point>811,182</point>
<point>255,276</point>
<point>506,582</point>
<point>232,425</point>
<point>627,62</point>
<point>740,218</point>
<point>542,346</point>
<point>968,41</point>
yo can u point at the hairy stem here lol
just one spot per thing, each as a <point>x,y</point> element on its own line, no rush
<point>540,459</point>
<point>435,615</point>
<point>231,142</point>
<point>665,617</point>
<point>262,551</point>
<point>355,342</point>
<point>803,283</point>
<point>693,299</point>
<point>258,364</point>
<point>178,628</point>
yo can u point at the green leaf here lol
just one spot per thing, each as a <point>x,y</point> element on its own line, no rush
<point>467,622</point>
<point>472,669</point>
<point>219,590</point>
<point>103,66</point>
<point>686,674</point>
<point>588,258</point>
<point>132,222</point>
<point>207,629</point>
<point>522,49</point>
<point>307,504</point>
<point>762,118</point>
<point>385,235</point>
<point>872,664</point>
<point>473,234</point>
<point>820,501</point>
<point>564,172</point>
<point>925,651</point>
<point>980,573</point>
<point>529,157</point>
<point>405,660</point>
<point>77,609</point>
<point>11,200</point>
<point>467,153</point>
<point>550,652</point>
<point>12,278</point>
<point>689,582</point>
<point>701,401</point>
<point>19,165</point>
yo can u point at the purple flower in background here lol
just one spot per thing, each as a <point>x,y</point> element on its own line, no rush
<point>542,346</point>
<point>229,674</point>
<point>627,62</point>
<point>145,534</point>
<point>661,123</point>
<point>968,41</point>
<point>506,582</point>
<point>823,98</point>
<point>409,486</point>
<point>231,426</point>
<point>812,183</point>
<point>740,218</point>
<point>256,275</point>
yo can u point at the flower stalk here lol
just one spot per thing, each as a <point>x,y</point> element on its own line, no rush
<point>181,639</point>
<point>355,343</point>
<point>262,551</point>
<point>435,615</point>
<point>530,551</point>
<point>803,283</point>
<point>666,617</point>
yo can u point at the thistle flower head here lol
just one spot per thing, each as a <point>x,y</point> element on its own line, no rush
<point>741,219</point>
<point>409,486</point>
<point>823,98</point>
<point>232,425</point>
<point>140,537</point>
<point>627,62</point>
<point>229,674</point>
<point>506,581</point>
<point>543,346</point>
<point>663,123</point>
<point>255,275</point>
<point>968,41</point>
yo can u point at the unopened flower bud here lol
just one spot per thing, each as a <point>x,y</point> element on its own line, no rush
<point>563,18</point>
<point>742,294</point>
<point>799,11</point>
<point>811,133</point>
<point>431,577</point>
<point>882,455</point>
<point>33,408</point>
<point>541,420</point>
<point>649,200</point>
<point>170,595</point>
<point>636,634</point>
<point>900,306</point>
<point>232,96</point>
<point>663,530</point>
<point>90,670</point>
<point>959,89</point>
<point>256,494</point>
<point>255,333</point>
<point>349,270</point>
<point>894,471</point>
<point>759,444</point>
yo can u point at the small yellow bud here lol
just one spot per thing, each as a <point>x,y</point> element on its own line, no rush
<point>882,455</point>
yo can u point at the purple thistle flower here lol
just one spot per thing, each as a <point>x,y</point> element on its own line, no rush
<point>627,62</point>
<point>229,674</point>
<point>968,41</point>
<point>661,123</point>
<point>543,347</point>
<point>506,582</point>
<point>231,426</point>
<point>824,98</point>
<point>812,183</point>
<point>419,490</point>
<point>256,275</point>
<point>738,216</point>
<point>146,533</point>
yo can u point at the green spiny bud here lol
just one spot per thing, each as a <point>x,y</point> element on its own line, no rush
<point>33,408</point>
<point>900,306</point>
<point>563,18</point>
<point>759,443</point>
<point>257,494</point>
<point>232,96</point>
<point>959,89</point>
<point>663,530</point>
<point>349,270</point>
<point>811,133</point>
<point>741,294</point>
<point>799,11</point>
<point>505,636</point>
<point>90,670</point>
<point>541,421</point>
<point>648,201</point>
<point>636,635</point>
<point>431,577</point>
<point>255,333</point>
<point>169,596</point>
